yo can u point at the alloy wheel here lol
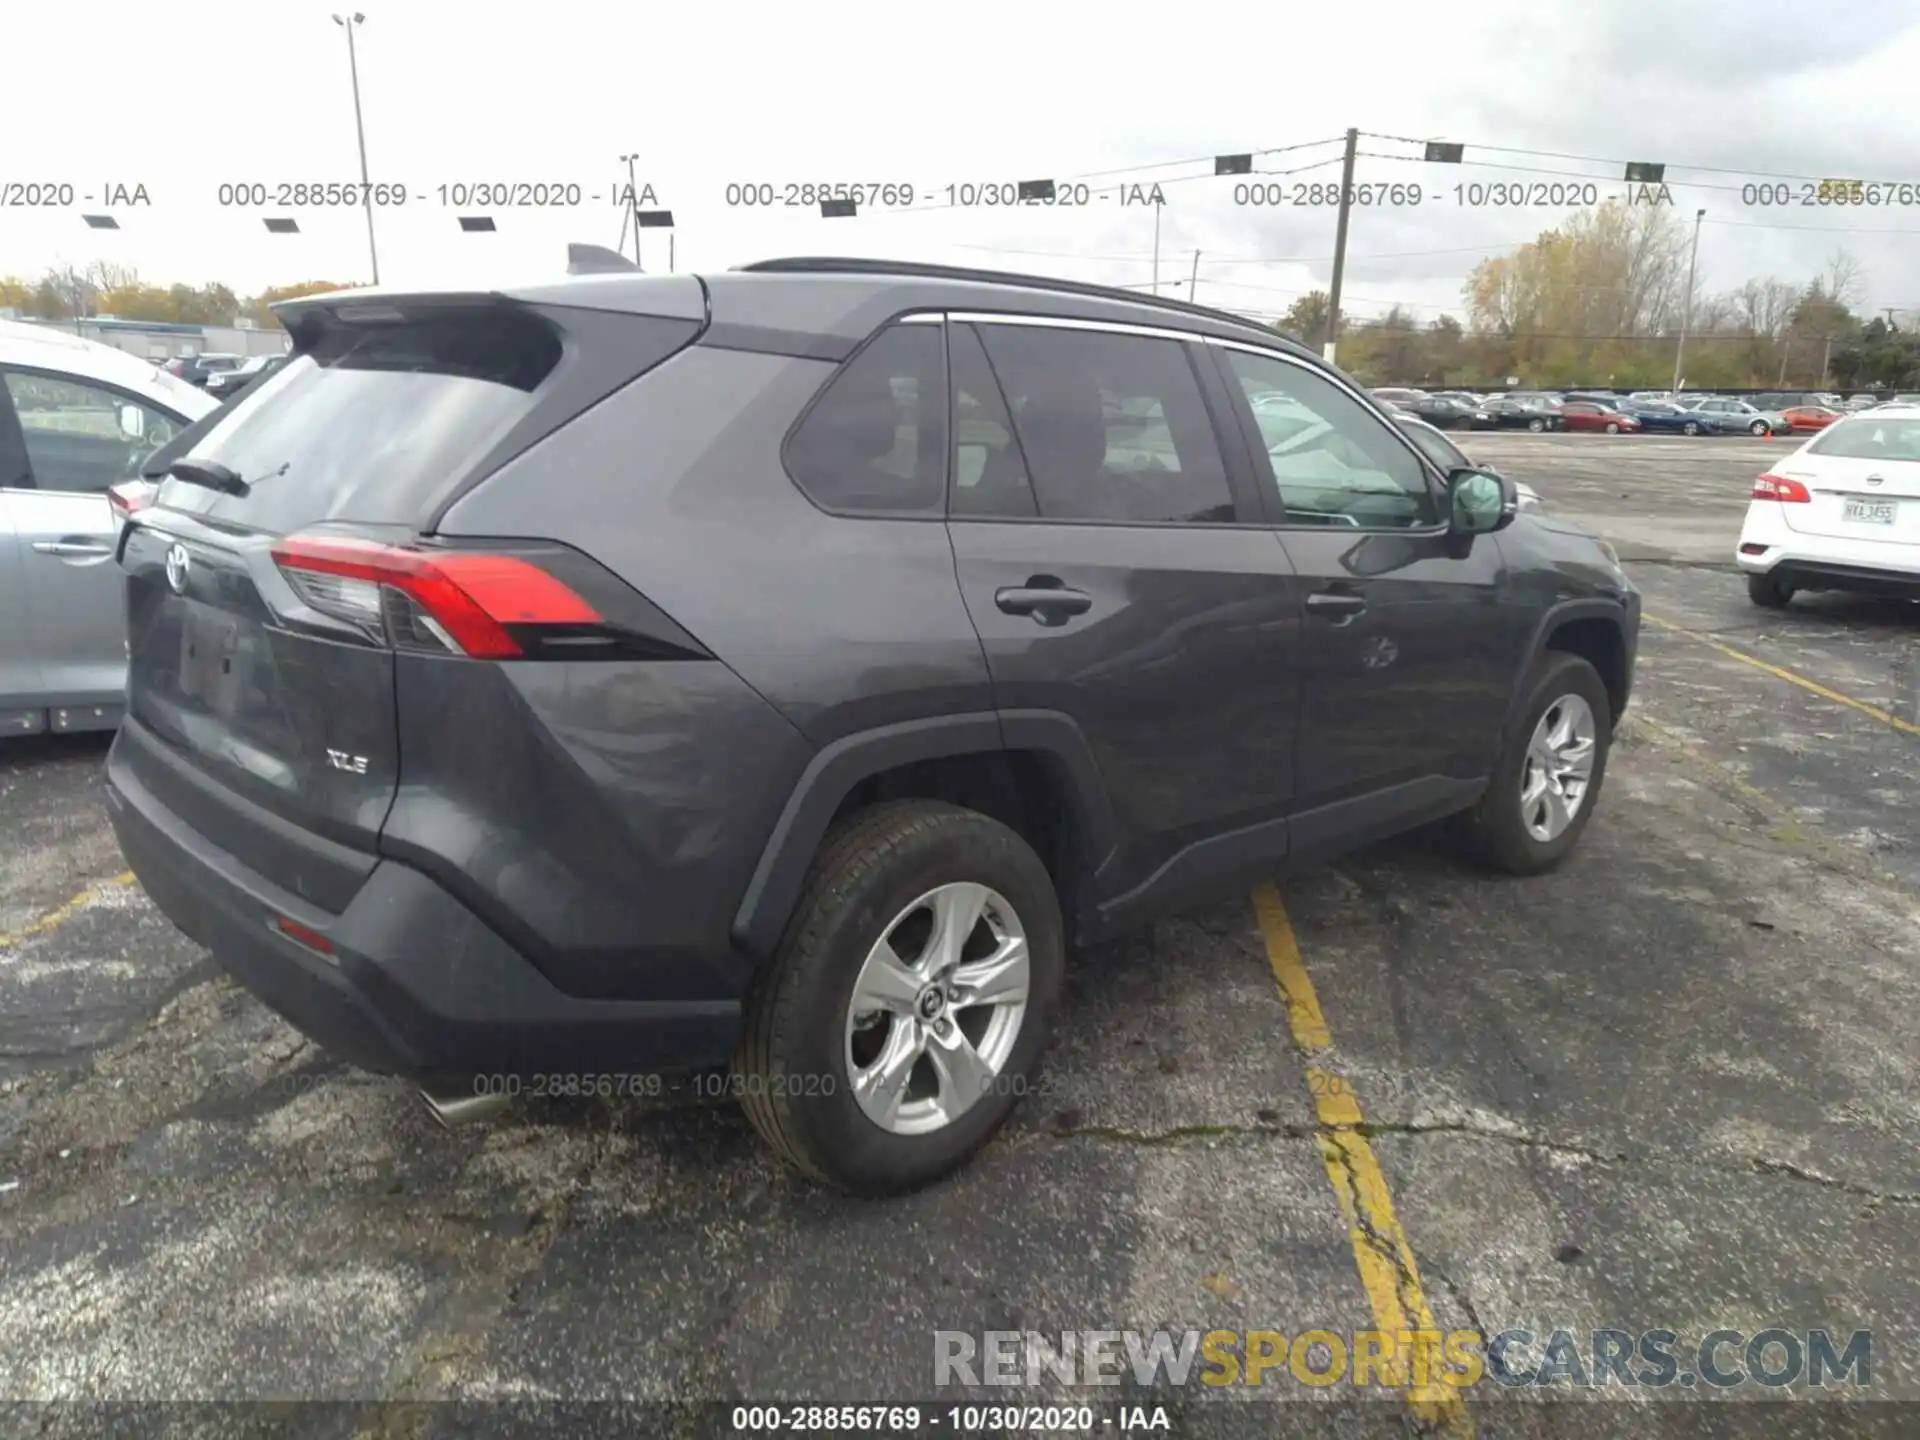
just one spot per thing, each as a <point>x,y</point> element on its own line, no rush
<point>1558,768</point>
<point>937,1008</point>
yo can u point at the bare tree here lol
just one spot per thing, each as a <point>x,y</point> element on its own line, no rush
<point>1843,278</point>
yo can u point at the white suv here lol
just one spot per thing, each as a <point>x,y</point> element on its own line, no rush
<point>1842,512</point>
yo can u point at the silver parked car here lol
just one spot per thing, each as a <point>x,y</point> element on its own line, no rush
<point>1731,416</point>
<point>76,417</point>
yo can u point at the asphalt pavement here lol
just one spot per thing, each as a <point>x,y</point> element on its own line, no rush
<point>1673,1086</point>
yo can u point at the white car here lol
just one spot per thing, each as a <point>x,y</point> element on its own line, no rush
<point>76,417</point>
<point>1842,512</point>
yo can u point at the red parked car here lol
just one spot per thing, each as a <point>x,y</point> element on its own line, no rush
<point>1588,415</point>
<point>1805,419</point>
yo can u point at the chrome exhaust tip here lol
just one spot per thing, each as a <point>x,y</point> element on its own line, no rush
<point>455,1110</point>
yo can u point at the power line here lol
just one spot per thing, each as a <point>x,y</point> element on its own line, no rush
<point>1212,259</point>
<point>1105,190</point>
<point>1608,160</point>
<point>1816,229</point>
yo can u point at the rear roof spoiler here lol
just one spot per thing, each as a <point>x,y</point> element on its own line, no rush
<point>597,260</point>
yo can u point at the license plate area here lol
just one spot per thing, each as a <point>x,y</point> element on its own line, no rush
<point>209,641</point>
<point>1868,512</point>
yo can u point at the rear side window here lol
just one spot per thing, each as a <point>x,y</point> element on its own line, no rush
<point>875,440</point>
<point>1113,427</point>
<point>372,420</point>
<point>989,472</point>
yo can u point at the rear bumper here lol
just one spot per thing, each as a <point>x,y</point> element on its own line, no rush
<point>416,984</point>
<point>1825,562</point>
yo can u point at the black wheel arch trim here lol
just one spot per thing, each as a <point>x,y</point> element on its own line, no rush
<point>1585,608</point>
<point>773,892</point>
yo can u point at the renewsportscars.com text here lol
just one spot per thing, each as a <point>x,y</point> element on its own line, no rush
<point>1774,1358</point>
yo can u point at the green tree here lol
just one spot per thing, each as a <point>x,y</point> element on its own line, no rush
<point>1306,318</point>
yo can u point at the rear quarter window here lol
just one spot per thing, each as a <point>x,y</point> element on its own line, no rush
<point>874,442</point>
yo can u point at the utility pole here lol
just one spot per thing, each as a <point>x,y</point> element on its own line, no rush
<point>1826,355</point>
<point>1686,314</point>
<point>348,23</point>
<point>1156,247</point>
<point>1786,349</point>
<point>1193,280</point>
<point>633,204</point>
<point>1340,245</point>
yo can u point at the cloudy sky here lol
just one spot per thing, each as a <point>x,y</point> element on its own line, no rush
<point>183,98</point>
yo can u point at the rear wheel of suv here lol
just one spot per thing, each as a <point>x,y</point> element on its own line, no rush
<point>1547,782</point>
<point>901,1018</point>
<point>1769,591</point>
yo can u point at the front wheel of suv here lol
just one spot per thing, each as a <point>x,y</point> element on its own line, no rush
<point>903,1015</point>
<point>1546,784</point>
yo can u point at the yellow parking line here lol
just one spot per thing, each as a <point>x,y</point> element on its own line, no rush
<point>1905,727</point>
<point>59,916</point>
<point>1388,1272</point>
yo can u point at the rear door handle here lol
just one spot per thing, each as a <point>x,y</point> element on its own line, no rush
<point>70,549</point>
<point>1043,602</point>
<point>1336,605</point>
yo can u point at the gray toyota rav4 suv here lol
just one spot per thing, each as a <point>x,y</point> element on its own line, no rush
<point>781,668</point>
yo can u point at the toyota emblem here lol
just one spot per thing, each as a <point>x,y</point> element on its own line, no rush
<point>178,563</point>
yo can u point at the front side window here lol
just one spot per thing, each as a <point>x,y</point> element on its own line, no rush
<point>1112,426</point>
<point>1345,468</point>
<point>82,437</point>
<point>875,441</point>
<point>1437,448</point>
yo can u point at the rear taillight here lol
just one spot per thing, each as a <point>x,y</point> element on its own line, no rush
<point>1778,487</point>
<point>450,602</point>
<point>130,497</point>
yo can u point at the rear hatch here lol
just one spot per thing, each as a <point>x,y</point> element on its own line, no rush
<point>1862,476</point>
<point>289,557</point>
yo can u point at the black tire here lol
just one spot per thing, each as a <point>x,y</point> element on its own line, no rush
<point>1494,830</point>
<point>1536,425</point>
<point>1769,591</point>
<point>1613,428</point>
<point>1690,428</point>
<point>1759,427</point>
<point>791,1065</point>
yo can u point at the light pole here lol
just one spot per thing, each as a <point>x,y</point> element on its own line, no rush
<point>1686,313</point>
<point>347,23</point>
<point>633,204</point>
<point>1156,247</point>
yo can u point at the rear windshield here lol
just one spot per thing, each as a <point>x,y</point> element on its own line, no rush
<point>373,420</point>
<point>1865,438</point>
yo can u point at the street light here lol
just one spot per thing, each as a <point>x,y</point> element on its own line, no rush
<point>633,206</point>
<point>347,23</point>
<point>1686,314</point>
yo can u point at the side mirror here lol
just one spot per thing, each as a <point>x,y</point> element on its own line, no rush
<point>1480,502</point>
<point>133,422</point>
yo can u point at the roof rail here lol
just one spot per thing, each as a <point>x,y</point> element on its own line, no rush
<point>839,265</point>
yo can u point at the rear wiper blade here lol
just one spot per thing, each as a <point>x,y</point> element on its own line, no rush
<point>210,473</point>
